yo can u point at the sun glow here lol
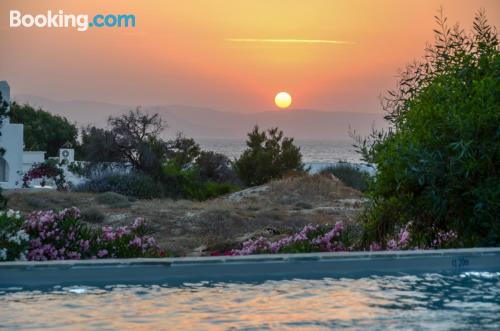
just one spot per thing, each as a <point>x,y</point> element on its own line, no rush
<point>283,100</point>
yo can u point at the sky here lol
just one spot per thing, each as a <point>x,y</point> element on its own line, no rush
<point>330,55</point>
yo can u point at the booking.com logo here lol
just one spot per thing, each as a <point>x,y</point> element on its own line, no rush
<point>61,20</point>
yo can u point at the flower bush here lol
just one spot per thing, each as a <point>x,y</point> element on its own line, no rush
<point>46,170</point>
<point>312,238</point>
<point>62,235</point>
<point>14,241</point>
<point>315,238</point>
<point>403,240</point>
<point>51,235</point>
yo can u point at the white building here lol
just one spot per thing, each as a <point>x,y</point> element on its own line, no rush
<point>15,161</point>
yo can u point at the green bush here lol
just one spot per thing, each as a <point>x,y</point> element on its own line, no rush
<point>269,155</point>
<point>187,184</point>
<point>3,200</point>
<point>439,167</point>
<point>133,184</point>
<point>216,167</point>
<point>350,176</point>
<point>14,241</point>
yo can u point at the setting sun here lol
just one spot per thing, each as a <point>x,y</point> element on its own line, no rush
<point>283,100</point>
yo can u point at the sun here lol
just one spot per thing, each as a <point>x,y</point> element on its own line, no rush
<point>283,100</point>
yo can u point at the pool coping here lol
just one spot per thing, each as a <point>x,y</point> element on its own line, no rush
<point>265,266</point>
<point>256,258</point>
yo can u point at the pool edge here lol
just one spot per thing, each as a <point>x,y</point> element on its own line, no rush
<point>262,267</point>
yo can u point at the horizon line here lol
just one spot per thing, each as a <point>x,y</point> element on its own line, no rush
<point>290,41</point>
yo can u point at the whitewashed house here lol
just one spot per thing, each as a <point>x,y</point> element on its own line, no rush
<point>15,160</point>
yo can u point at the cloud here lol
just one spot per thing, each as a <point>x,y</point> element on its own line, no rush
<point>290,41</point>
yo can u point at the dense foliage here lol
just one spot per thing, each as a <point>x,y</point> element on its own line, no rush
<point>350,176</point>
<point>4,107</point>
<point>439,165</point>
<point>340,237</point>
<point>217,168</point>
<point>51,235</point>
<point>135,184</point>
<point>98,146</point>
<point>43,131</point>
<point>269,155</point>
<point>14,241</point>
<point>48,170</point>
<point>160,168</point>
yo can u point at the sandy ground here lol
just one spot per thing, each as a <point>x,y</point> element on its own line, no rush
<point>189,228</point>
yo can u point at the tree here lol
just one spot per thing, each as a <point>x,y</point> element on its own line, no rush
<point>98,145</point>
<point>216,167</point>
<point>4,107</point>
<point>136,137</point>
<point>269,155</point>
<point>182,150</point>
<point>43,131</point>
<point>438,166</point>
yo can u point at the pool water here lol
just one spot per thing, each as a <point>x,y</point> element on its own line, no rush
<point>465,301</point>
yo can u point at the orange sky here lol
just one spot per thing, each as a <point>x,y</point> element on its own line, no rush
<point>179,52</point>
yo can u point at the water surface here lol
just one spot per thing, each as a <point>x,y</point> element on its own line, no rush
<point>468,301</point>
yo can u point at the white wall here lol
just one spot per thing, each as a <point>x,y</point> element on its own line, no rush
<point>12,141</point>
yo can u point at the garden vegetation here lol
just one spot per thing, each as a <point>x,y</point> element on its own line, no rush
<point>438,167</point>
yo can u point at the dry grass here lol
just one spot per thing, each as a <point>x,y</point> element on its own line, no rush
<point>315,189</point>
<point>194,228</point>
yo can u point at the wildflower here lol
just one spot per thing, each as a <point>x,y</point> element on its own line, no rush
<point>102,253</point>
<point>392,245</point>
<point>135,242</point>
<point>138,222</point>
<point>73,255</point>
<point>375,247</point>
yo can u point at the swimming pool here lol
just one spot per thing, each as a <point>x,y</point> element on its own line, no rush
<point>450,296</point>
<point>465,301</point>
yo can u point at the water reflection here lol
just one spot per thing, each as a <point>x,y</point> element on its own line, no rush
<point>469,300</point>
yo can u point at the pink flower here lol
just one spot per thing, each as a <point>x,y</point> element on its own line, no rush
<point>136,242</point>
<point>392,245</point>
<point>138,222</point>
<point>102,253</point>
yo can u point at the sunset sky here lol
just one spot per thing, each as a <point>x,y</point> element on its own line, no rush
<point>227,55</point>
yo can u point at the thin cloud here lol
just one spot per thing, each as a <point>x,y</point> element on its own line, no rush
<point>291,41</point>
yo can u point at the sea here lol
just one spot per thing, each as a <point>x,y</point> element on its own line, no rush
<point>313,151</point>
<point>316,154</point>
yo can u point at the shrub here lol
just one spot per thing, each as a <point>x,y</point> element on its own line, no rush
<point>62,235</point>
<point>3,200</point>
<point>211,190</point>
<point>13,239</point>
<point>113,200</point>
<point>133,184</point>
<point>93,215</point>
<point>311,238</point>
<point>341,237</point>
<point>439,165</point>
<point>269,156</point>
<point>350,176</point>
<point>46,170</point>
<point>216,167</point>
<point>186,184</point>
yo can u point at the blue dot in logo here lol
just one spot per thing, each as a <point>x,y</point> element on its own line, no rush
<point>91,25</point>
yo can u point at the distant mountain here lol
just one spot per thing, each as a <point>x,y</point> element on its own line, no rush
<point>209,123</point>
